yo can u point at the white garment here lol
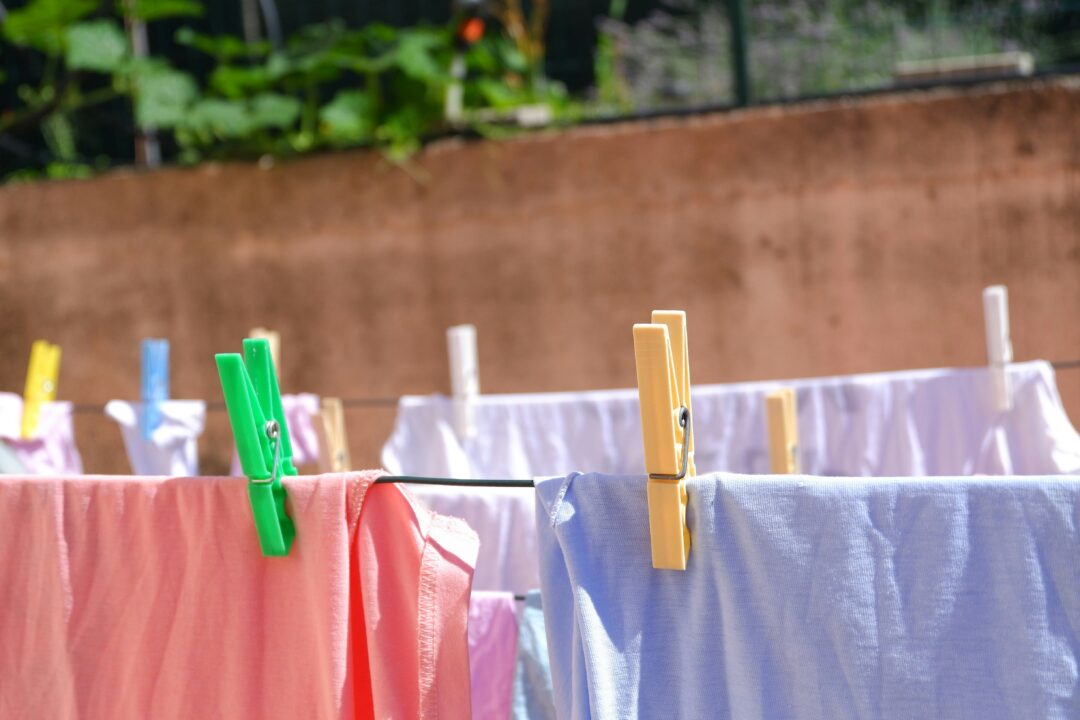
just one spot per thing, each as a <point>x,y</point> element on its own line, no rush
<point>505,519</point>
<point>172,449</point>
<point>913,423</point>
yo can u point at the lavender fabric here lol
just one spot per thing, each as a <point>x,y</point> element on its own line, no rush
<point>493,636</point>
<point>52,450</point>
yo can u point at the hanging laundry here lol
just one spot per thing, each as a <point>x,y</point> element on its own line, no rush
<point>52,450</point>
<point>921,422</point>
<point>504,518</point>
<point>533,696</point>
<point>809,597</point>
<point>300,411</point>
<point>173,446</point>
<point>493,637</point>
<point>150,597</point>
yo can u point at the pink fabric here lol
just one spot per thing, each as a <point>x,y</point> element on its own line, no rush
<point>133,597</point>
<point>493,634</point>
<point>52,450</point>
<point>299,411</point>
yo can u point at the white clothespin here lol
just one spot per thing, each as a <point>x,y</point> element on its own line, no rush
<point>663,375</point>
<point>274,338</point>
<point>464,378</point>
<point>999,351</point>
<point>783,431</point>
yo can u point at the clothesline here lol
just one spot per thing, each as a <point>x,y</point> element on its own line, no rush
<point>462,482</point>
<point>219,405</point>
<point>374,402</point>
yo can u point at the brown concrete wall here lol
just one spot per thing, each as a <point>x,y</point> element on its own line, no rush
<point>826,238</point>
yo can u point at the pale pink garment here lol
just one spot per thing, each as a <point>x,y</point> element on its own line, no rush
<point>493,635</point>
<point>52,450</point>
<point>130,597</point>
<point>299,411</point>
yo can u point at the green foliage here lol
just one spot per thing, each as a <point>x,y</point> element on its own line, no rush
<point>348,117</point>
<point>151,10</point>
<point>97,45</point>
<point>222,48</point>
<point>162,95</point>
<point>56,170</point>
<point>334,87</point>
<point>328,87</point>
<point>41,24</point>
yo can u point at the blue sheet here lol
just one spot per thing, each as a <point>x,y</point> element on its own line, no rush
<point>810,598</point>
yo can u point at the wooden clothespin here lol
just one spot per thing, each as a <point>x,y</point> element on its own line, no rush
<point>262,440</point>
<point>272,337</point>
<point>153,384</point>
<point>783,431</point>
<point>464,378</point>
<point>335,443</point>
<point>663,375</point>
<point>999,351</point>
<point>41,380</point>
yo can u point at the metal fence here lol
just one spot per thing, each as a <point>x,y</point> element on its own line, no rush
<point>685,53</point>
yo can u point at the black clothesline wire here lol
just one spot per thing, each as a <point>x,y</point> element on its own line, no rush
<point>451,482</point>
<point>377,402</point>
<point>458,482</point>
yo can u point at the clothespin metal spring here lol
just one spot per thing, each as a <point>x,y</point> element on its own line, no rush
<point>273,433</point>
<point>684,422</point>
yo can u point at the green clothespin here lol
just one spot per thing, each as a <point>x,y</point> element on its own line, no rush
<point>253,400</point>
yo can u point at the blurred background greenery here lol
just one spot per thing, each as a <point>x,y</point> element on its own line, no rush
<point>90,84</point>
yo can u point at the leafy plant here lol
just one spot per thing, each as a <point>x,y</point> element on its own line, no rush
<point>329,86</point>
<point>334,87</point>
<point>88,62</point>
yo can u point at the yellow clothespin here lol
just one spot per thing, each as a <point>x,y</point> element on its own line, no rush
<point>272,337</point>
<point>783,431</point>
<point>41,379</point>
<point>663,373</point>
<point>331,427</point>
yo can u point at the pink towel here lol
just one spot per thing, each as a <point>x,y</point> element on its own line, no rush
<point>493,635</point>
<point>131,597</point>
<point>52,450</point>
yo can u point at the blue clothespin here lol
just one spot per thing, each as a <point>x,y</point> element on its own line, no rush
<point>154,384</point>
<point>262,439</point>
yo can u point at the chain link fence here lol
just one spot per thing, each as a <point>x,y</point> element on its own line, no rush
<point>681,53</point>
